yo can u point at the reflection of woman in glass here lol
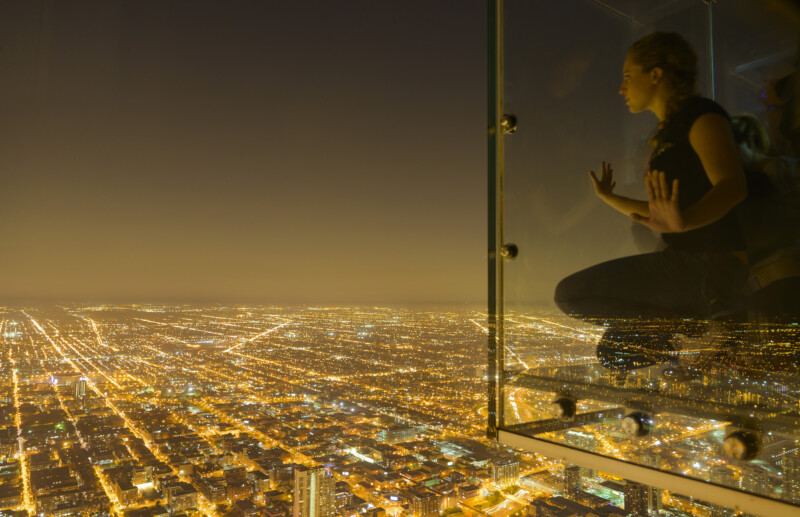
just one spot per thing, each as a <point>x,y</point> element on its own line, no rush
<point>771,223</point>
<point>693,181</point>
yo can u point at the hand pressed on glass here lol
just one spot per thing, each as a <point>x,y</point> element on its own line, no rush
<point>665,213</point>
<point>604,186</point>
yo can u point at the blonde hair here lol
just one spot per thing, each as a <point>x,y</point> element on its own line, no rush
<point>748,129</point>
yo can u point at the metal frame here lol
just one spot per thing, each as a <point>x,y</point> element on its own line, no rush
<point>712,90</point>
<point>770,419</point>
<point>495,219</point>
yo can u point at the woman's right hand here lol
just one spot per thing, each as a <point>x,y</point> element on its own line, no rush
<point>604,186</point>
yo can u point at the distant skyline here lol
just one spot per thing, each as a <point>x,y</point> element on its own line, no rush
<point>257,152</point>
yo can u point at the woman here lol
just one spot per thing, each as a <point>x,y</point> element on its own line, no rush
<point>693,181</point>
<point>766,173</point>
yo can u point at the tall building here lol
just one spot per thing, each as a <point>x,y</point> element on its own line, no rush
<point>397,434</point>
<point>505,472</point>
<point>722,475</point>
<point>790,471</point>
<point>586,442</point>
<point>755,479</point>
<point>654,496</point>
<point>572,481</point>
<point>180,497</point>
<point>423,503</point>
<point>80,388</point>
<point>721,511</point>
<point>313,492</point>
<point>640,499</point>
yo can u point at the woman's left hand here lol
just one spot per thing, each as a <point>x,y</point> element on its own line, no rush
<point>665,212</point>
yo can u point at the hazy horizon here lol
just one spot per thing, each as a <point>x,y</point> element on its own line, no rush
<point>275,151</point>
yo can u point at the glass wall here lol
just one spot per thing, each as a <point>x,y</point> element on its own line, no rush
<point>681,364</point>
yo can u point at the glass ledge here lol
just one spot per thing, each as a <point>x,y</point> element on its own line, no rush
<point>691,415</point>
<point>705,406</point>
<point>702,491</point>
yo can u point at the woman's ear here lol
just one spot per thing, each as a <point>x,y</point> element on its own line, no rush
<point>656,75</point>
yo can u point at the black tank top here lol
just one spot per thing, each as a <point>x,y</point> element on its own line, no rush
<point>675,156</point>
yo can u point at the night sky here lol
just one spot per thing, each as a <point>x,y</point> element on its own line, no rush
<point>252,151</point>
<point>330,151</point>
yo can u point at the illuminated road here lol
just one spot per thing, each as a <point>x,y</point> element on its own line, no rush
<point>250,340</point>
<point>21,455</point>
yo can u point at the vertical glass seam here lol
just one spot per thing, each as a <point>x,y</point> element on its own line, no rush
<point>493,9</point>
<point>712,93</point>
<point>499,211</point>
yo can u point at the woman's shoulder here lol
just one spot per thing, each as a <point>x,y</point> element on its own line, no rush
<point>695,107</point>
<point>687,113</point>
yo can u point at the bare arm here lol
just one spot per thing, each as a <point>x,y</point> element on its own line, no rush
<point>604,187</point>
<point>627,205</point>
<point>712,139</point>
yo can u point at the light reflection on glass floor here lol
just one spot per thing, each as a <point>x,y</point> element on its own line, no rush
<point>721,405</point>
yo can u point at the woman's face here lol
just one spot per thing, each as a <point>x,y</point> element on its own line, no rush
<point>638,87</point>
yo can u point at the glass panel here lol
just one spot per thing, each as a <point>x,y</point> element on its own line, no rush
<point>698,377</point>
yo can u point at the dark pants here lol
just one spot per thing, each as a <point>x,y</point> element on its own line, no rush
<point>685,286</point>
